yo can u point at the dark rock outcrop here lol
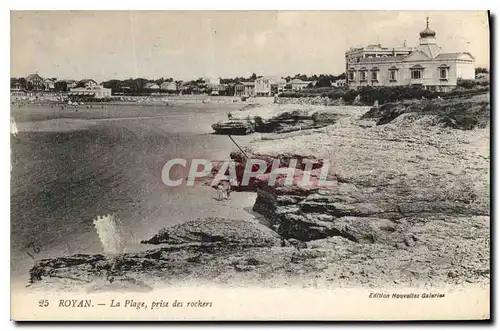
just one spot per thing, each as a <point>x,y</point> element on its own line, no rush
<point>234,127</point>
<point>279,119</point>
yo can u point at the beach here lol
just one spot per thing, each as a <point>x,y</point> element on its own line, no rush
<point>69,167</point>
<point>408,203</point>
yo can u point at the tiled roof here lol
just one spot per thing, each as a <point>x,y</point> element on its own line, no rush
<point>448,56</point>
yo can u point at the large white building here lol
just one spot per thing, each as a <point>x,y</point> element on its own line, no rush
<point>424,65</point>
<point>95,92</point>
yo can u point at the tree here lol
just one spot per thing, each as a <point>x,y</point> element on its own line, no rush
<point>324,81</point>
<point>341,76</point>
<point>482,71</point>
<point>253,77</point>
<point>61,86</point>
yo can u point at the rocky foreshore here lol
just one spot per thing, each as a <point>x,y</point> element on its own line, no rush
<point>317,100</point>
<point>409,206</point>
<point>282,118</point>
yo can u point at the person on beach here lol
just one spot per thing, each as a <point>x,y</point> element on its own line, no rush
<point>224,190</point>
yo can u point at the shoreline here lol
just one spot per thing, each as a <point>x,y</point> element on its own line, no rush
<point>379,225</point>
<point>142,210</point>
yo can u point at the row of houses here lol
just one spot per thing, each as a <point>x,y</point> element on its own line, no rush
<point>262,86</point>
<point>86,89</point>
<point>35,82</point>
<point>268,86</point>
<point>374,65</point>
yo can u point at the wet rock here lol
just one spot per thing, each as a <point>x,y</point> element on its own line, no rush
<point>234,127</point>
<point>279,118</point>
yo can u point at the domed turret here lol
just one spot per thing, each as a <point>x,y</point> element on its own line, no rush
<point>428,32</point>
<point>427,42</point>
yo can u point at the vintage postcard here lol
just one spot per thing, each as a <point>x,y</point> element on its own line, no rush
<point>250,165</point>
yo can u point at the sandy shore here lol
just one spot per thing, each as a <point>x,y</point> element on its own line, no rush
<point>69,167</point>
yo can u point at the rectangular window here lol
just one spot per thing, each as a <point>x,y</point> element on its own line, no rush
<point>392,75</point>
<point>374,75</point>
<point>443,73</point>
<point>351,75</point>
<point>362,76</point>
<point>416,74</point>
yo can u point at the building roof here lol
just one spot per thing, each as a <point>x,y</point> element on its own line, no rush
<point>299,81</point>
<point>382,59</point>
<point>33,76</point>
<point>86,80</point>
<point>272,78</point>
<point>447,56</point>
<point>151,86</point>
<point>86,89</point>
<point>451,56</point>
<point>248,83</point>
<point>168,84</point>
<point>429,50</point>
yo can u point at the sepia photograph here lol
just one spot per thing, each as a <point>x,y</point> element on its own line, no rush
<point>250,165</point>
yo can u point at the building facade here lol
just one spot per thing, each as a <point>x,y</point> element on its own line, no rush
<point>244,89</point>
<point>299,84</point>
<point>269,86</point>
<point>211,81</point>
<point>94,92</point>
<point>88,83</point>
<point>50,84</point>
<point>339,83</point>
<point>71,83</point>
<point>169,87</point>
<point>35,82</point>
<point>425,65</point>
<point>152,87</point>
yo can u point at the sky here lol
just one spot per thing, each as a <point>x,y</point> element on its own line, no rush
<point>107,45</point>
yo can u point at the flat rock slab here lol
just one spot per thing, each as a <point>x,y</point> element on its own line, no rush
<point>219,231</point>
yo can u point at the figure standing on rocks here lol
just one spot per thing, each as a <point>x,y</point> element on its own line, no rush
<point>224,190</point>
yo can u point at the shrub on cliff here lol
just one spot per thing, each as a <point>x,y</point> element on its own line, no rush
<point>292,95</point>
<point>466,83</point>
<point>350,95</point>
<point>336,94</point>
<point>458,113</point>
<point>369,94</point>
